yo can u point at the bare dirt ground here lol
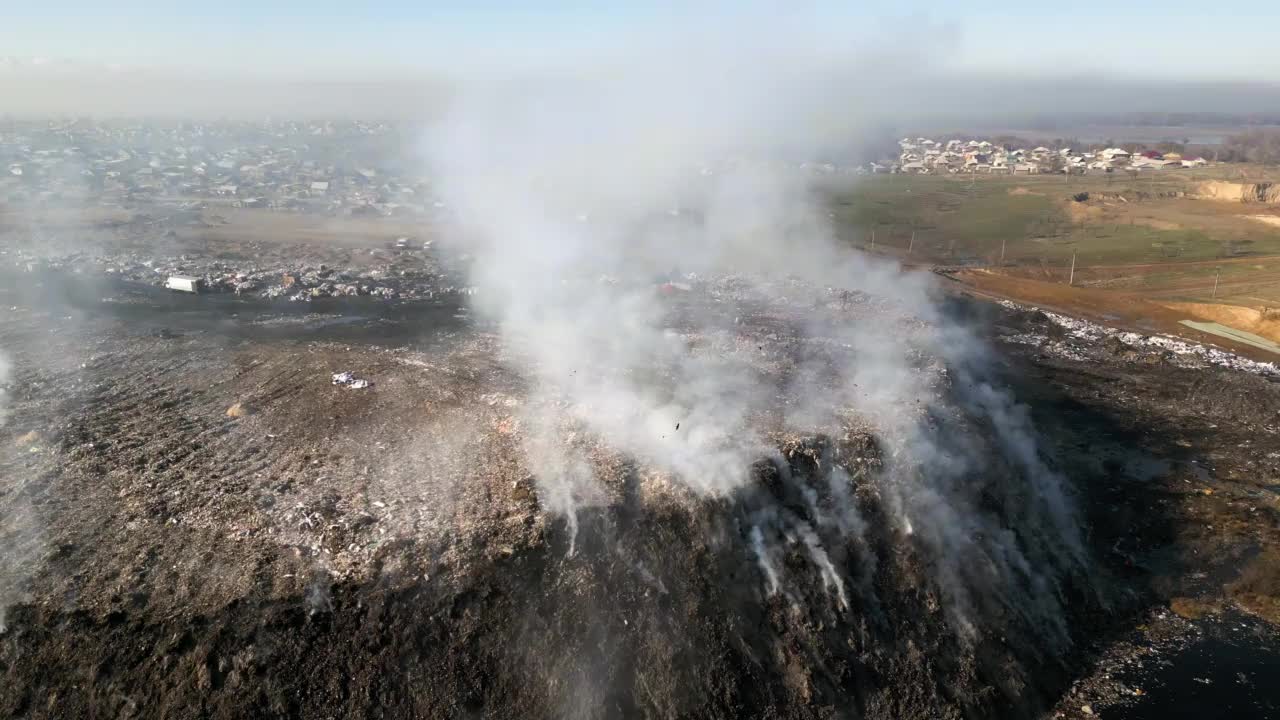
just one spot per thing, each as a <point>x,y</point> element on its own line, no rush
<point>1134,310</point>
<point>1267,219</point>
<point>323,551</point>
<point>1129,310</point>
<point>1259,321</point>
<point>220,222</point>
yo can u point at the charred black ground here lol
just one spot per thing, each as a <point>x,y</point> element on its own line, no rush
<point>308,556</point>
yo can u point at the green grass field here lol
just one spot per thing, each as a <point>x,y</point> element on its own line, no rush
<point>958,219</point>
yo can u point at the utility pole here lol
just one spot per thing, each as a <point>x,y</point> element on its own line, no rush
<point>873,239</point>
<point>1072,279</point>
<point>911,243</point>
<point>1003,242</point>
<point>1216,274</point>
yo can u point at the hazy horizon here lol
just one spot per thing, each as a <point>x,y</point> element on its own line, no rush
<point>951,99</point>
<point>402,59</point>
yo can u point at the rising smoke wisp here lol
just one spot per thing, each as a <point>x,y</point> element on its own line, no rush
<point>571,196</point>
<point>5,372</point>
<point>11,573</point>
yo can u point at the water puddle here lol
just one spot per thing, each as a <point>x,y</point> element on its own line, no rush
<point>1229,671</point>
<point>1144,468</point>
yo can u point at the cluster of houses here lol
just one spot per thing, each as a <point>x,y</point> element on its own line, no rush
<point>291,166</point>
<point>923,155</point>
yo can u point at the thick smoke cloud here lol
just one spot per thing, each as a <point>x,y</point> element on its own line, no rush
<point>6,370</point>
<point>572,194</point>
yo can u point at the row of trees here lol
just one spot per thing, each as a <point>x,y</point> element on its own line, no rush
<point>1256,146</point>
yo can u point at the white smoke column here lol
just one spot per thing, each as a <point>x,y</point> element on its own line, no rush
<point>564,192</point>
<point>766,563</point>
<point>558,186</point>
<point>6,371</point>
<point>15,524</point>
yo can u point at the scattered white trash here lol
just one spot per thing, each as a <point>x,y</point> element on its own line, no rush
<point>351,381</point>
<point>183,283</point>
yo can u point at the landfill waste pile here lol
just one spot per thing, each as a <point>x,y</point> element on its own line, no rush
<point>316,550</point>
<point>264,269</point>
<point>406,539</point>
<point>1081,339</point>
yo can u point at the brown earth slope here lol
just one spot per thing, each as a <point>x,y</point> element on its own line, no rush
<point>1259,321</point>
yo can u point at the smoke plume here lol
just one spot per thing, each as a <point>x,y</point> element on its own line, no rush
<point>575,194</point>
<point>5,373</point>
<point>13,526</point>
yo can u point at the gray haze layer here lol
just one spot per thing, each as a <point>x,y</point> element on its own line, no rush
<point>889,88</point>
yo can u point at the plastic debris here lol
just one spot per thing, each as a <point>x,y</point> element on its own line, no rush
<point>351,381</point>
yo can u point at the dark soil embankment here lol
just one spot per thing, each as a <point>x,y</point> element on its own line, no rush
<point>657,613</point>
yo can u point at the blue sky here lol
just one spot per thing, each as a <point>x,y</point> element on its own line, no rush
<point>1165,40</point>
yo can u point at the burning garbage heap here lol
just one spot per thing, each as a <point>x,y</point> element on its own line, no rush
<point>855,547</point>
<point>960,541</point>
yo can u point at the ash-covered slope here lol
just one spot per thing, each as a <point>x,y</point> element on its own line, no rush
<point>835,580</point>
<point>394,551</point>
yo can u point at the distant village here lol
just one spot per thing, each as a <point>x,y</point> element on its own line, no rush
<point>289,166</point>
<point>355,168</point>
<point>925,156</point>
